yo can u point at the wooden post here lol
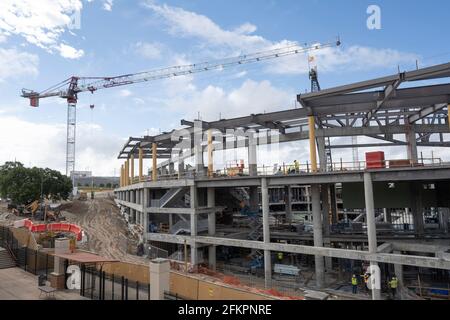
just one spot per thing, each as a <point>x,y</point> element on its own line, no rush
<point>312,143</point>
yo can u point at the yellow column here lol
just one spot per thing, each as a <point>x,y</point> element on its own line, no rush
<point>154,163</point>
<point>121,176</point>
<point>448,114</point>
<point>132,168</point>
<point>312,143</point>
<point>141,156</point>
<point>210,155</point>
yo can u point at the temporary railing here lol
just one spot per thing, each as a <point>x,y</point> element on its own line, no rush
<point>301,168</point>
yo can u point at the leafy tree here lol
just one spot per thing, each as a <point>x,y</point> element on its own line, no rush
<point>24,185</point>
<point>108,185</point>
<point>102,185</point>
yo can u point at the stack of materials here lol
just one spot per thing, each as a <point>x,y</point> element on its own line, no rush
<point>375,160</point>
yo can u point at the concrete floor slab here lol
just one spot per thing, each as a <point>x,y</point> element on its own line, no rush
<point>17,284</point>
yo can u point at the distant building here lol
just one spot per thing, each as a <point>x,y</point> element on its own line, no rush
<point>80,174</point>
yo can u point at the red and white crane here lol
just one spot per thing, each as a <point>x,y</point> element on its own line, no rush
<point>71,87</point>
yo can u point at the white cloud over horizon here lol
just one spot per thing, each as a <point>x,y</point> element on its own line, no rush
<point>44,145</point>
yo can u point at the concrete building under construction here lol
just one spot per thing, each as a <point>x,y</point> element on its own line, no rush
<point>392,215</point>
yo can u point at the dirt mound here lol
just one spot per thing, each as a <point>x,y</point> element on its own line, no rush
<point>76,207</point>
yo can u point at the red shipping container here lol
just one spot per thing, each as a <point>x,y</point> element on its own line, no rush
<point>375,160</point>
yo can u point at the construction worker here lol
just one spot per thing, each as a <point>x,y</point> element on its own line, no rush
<point>393,284</point>
<point>354,284</point>
<point>280,257</point>
<point>366,281</point>
<point>296,166</point>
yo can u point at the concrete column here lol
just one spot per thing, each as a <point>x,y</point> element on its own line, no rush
<point>154,162</point>
<point>371,231</point>
<point>288,204</point>
<point>159,278</point>
<point>443,219</point>
<point>412,146</point>
<point>322,154</point>
<point>266,232</point>
<point>194,217</point>
<point>417,208</point>
<point>324,193</point>
<point>312,143</point>
<point>211,202</point>
<point>252,154</point>
<point>145,223</point>
<point>318,236</point>
<point>254,199</point>
<point>180,169</point>
<point>132,169</point>
<point>210,154</point>
<point>170,221</point>
<point>398,269</point>
<point>333,204</point>
<point>144,200</point>
<point>171,168</point>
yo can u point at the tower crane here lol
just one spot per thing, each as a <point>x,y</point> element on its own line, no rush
<point>71,87</point>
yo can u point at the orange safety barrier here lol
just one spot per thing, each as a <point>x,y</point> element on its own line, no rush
<point>65,227</point>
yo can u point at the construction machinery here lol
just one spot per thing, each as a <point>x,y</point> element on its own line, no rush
<point>83,196</point>
<point>70,88</point>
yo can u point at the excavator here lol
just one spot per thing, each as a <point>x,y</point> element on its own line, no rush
<point>40,211</point>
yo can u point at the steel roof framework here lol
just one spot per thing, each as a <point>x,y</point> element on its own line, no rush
<point>349,110</point>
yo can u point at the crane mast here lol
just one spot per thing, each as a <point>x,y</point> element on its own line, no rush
<point>71,87</point>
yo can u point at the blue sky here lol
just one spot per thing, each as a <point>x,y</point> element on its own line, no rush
<point>117,37</point>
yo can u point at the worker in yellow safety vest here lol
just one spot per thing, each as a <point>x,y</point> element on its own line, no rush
<point>366,280</point>
<point>280,256</point>
<point>393,284</point>
<point>354,284</point>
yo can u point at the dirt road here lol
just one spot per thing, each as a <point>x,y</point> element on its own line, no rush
<point>107,231</point>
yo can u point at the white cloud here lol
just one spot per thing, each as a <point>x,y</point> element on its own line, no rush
<point>125,93</point>
<point>14,63</point>
<point>212,101</point>
<point>214,39</point>
<point>41,22</point>
<point>190,24</point>
<point>353,58</point>
<point>149,50</point>
<point>245,28</point>
<point>69,52</point>
<point>44,144</point>
<point>107,5</point>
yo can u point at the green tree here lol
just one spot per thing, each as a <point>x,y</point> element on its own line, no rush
<point>108,185</point>
<point>24,185</point>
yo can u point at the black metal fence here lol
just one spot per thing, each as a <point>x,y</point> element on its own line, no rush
<point>95,283</point>
<point>99,285</point>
